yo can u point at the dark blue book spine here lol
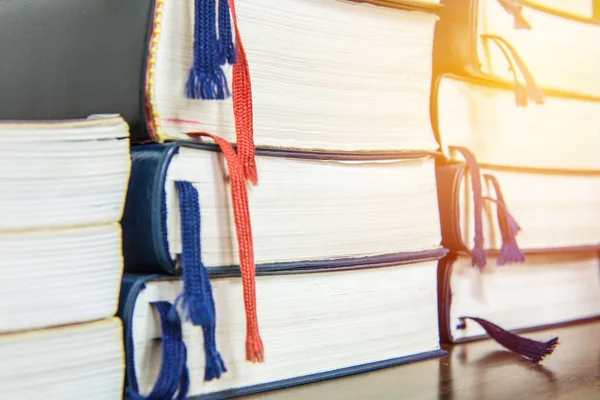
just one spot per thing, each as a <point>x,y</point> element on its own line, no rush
<point>173,380</point>
<point>145,245</point>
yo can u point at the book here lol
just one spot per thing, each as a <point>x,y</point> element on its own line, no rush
<point>81,361</point>
<point>53,277</point>
<point>510,211</point>
<point>69,59</point>
<point>63,173</point>
<point>561,134</point>
<point>318,74</point>
<point>528,44</point>
<point>318,323</point>
<point>308,206</point>
<point>545,290</point>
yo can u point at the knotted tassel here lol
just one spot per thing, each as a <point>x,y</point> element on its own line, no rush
<point>197,299</point>
<point>516,11</point>
<point>207,79</point>
<point>528,348</point>
<point>241,214</point>
<point>173,379</point>
<point>509,228</point>
<point>477,253</point>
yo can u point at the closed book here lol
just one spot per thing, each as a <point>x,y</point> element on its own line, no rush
<point>318,74</point>
<point>63,173</point>
<point>540,47</point>
<point>561,135</point>
<point>545,290</point>
<point>509,211</point>
<point>308,206</point>
<point>59,276</point>
<point>81,361</point>
<point>317,322</point>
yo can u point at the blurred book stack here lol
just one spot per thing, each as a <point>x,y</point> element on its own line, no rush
<point>514,106</point>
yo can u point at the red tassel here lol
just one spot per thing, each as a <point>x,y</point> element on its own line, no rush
<point>242,106</point>
<point>241,214</point>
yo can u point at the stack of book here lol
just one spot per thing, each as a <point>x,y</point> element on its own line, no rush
<point>310,193</point>
<point>62,190</point>
<point>514,106</point>
<point>328,263</point>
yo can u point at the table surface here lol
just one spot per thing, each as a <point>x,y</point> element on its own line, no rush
<point>478,370</point>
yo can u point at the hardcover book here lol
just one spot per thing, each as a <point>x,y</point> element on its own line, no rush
<point>307,74</point>
<point>318,322</point>
<point>533,45</point>
<point>510,211</point>
<point>561,135</point>
<point>307,207</point>
<point>545,290</point>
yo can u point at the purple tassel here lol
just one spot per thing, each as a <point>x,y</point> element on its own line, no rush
<point>478,258</point>
<point>478,253</point>
<point>528,348</point>
<point>510,253</point>
<point>514,226</point>
<point>509,228</point>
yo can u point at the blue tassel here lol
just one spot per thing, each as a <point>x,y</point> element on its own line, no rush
<point>227,52</point>
<point>207,79</point>
<point>173,380</point>
<point>197,299</point>
<point>214,363</point>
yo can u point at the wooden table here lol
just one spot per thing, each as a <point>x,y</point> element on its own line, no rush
<point>477,370</point>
